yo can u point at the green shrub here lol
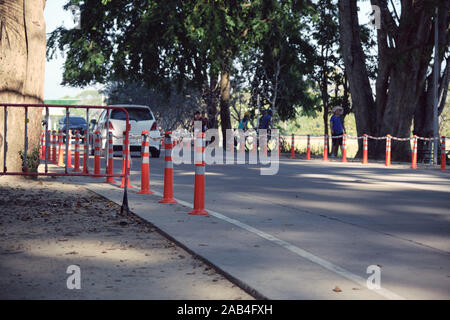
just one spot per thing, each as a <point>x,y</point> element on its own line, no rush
<point>32,160</point>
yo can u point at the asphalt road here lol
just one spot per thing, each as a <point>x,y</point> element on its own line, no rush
<point>313,226</point>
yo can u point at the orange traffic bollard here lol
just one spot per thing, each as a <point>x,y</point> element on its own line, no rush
<point>388,150</point>
<point>54,146</point>
<point>69,152</point>
<point>443,156</point>
<point>77,152</point>
<point>60,149</point>
<point>293,147</point>
<point>126,158</point>
<point>365,150</point>
<point>308,147</point>
<point>145,165</point>
<point>110,166</point>
<point>325,148</point>
<point>344,148</point>
<point>168,171</point>
<point>414,153</point>
<point>199,186</point>
<point>97,152</point>
<point>279,146</point>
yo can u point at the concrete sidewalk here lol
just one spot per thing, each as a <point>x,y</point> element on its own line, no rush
<point>256,264</point>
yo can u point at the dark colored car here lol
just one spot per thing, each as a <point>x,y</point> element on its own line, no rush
<point>75,123</point>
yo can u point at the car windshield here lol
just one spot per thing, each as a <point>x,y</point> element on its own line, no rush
<point>77,120</point>
<point>73,120</point>
<point>137,114</point>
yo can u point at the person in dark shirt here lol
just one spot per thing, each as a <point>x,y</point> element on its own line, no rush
<point>337,129</point>
<point>266,119</point>
<point>205,121</point>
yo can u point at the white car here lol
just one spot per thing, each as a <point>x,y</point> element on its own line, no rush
<point>141,118</point>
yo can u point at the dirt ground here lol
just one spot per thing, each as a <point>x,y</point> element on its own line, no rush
<point>47,225</point>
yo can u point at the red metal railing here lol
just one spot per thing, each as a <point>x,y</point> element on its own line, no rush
<point>5,106</point>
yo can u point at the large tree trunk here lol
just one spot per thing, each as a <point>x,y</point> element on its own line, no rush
<point>404,54</point>
<point>22,56</point>
<point>225,119</point>
<point>355,67</point>
<point>326,110</point>
<point>423,117</point>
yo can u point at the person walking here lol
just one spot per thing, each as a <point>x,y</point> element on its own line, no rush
<point>337,129</point>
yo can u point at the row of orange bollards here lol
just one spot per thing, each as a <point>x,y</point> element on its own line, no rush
<point>199,183</point>
<point>365,159</point>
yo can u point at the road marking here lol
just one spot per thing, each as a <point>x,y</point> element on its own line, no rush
<point>298,251</point>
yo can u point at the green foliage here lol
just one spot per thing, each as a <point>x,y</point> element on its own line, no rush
<point>279,62</point>
<point>32,159</point>
<point>183,43</point>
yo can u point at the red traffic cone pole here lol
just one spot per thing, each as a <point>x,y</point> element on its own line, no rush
<point>199,186</point>
<point>344,148</point>
<point>126,159</point>
<point>388,150</point>
<point>97,153</point>
<point>60,149</point>
<point>414,153</point>
<point>325,148</point>
<point>443,157</point>
<point>145,165</point>
<point>69,151</point>
<point>77,152</point>
<point>279,146</point>
<point>54,147</point>
<point>365,150</point>
<point>110,167</point>
<point>168,171</point>
<point>308,147</point>
<point>55,144</point>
